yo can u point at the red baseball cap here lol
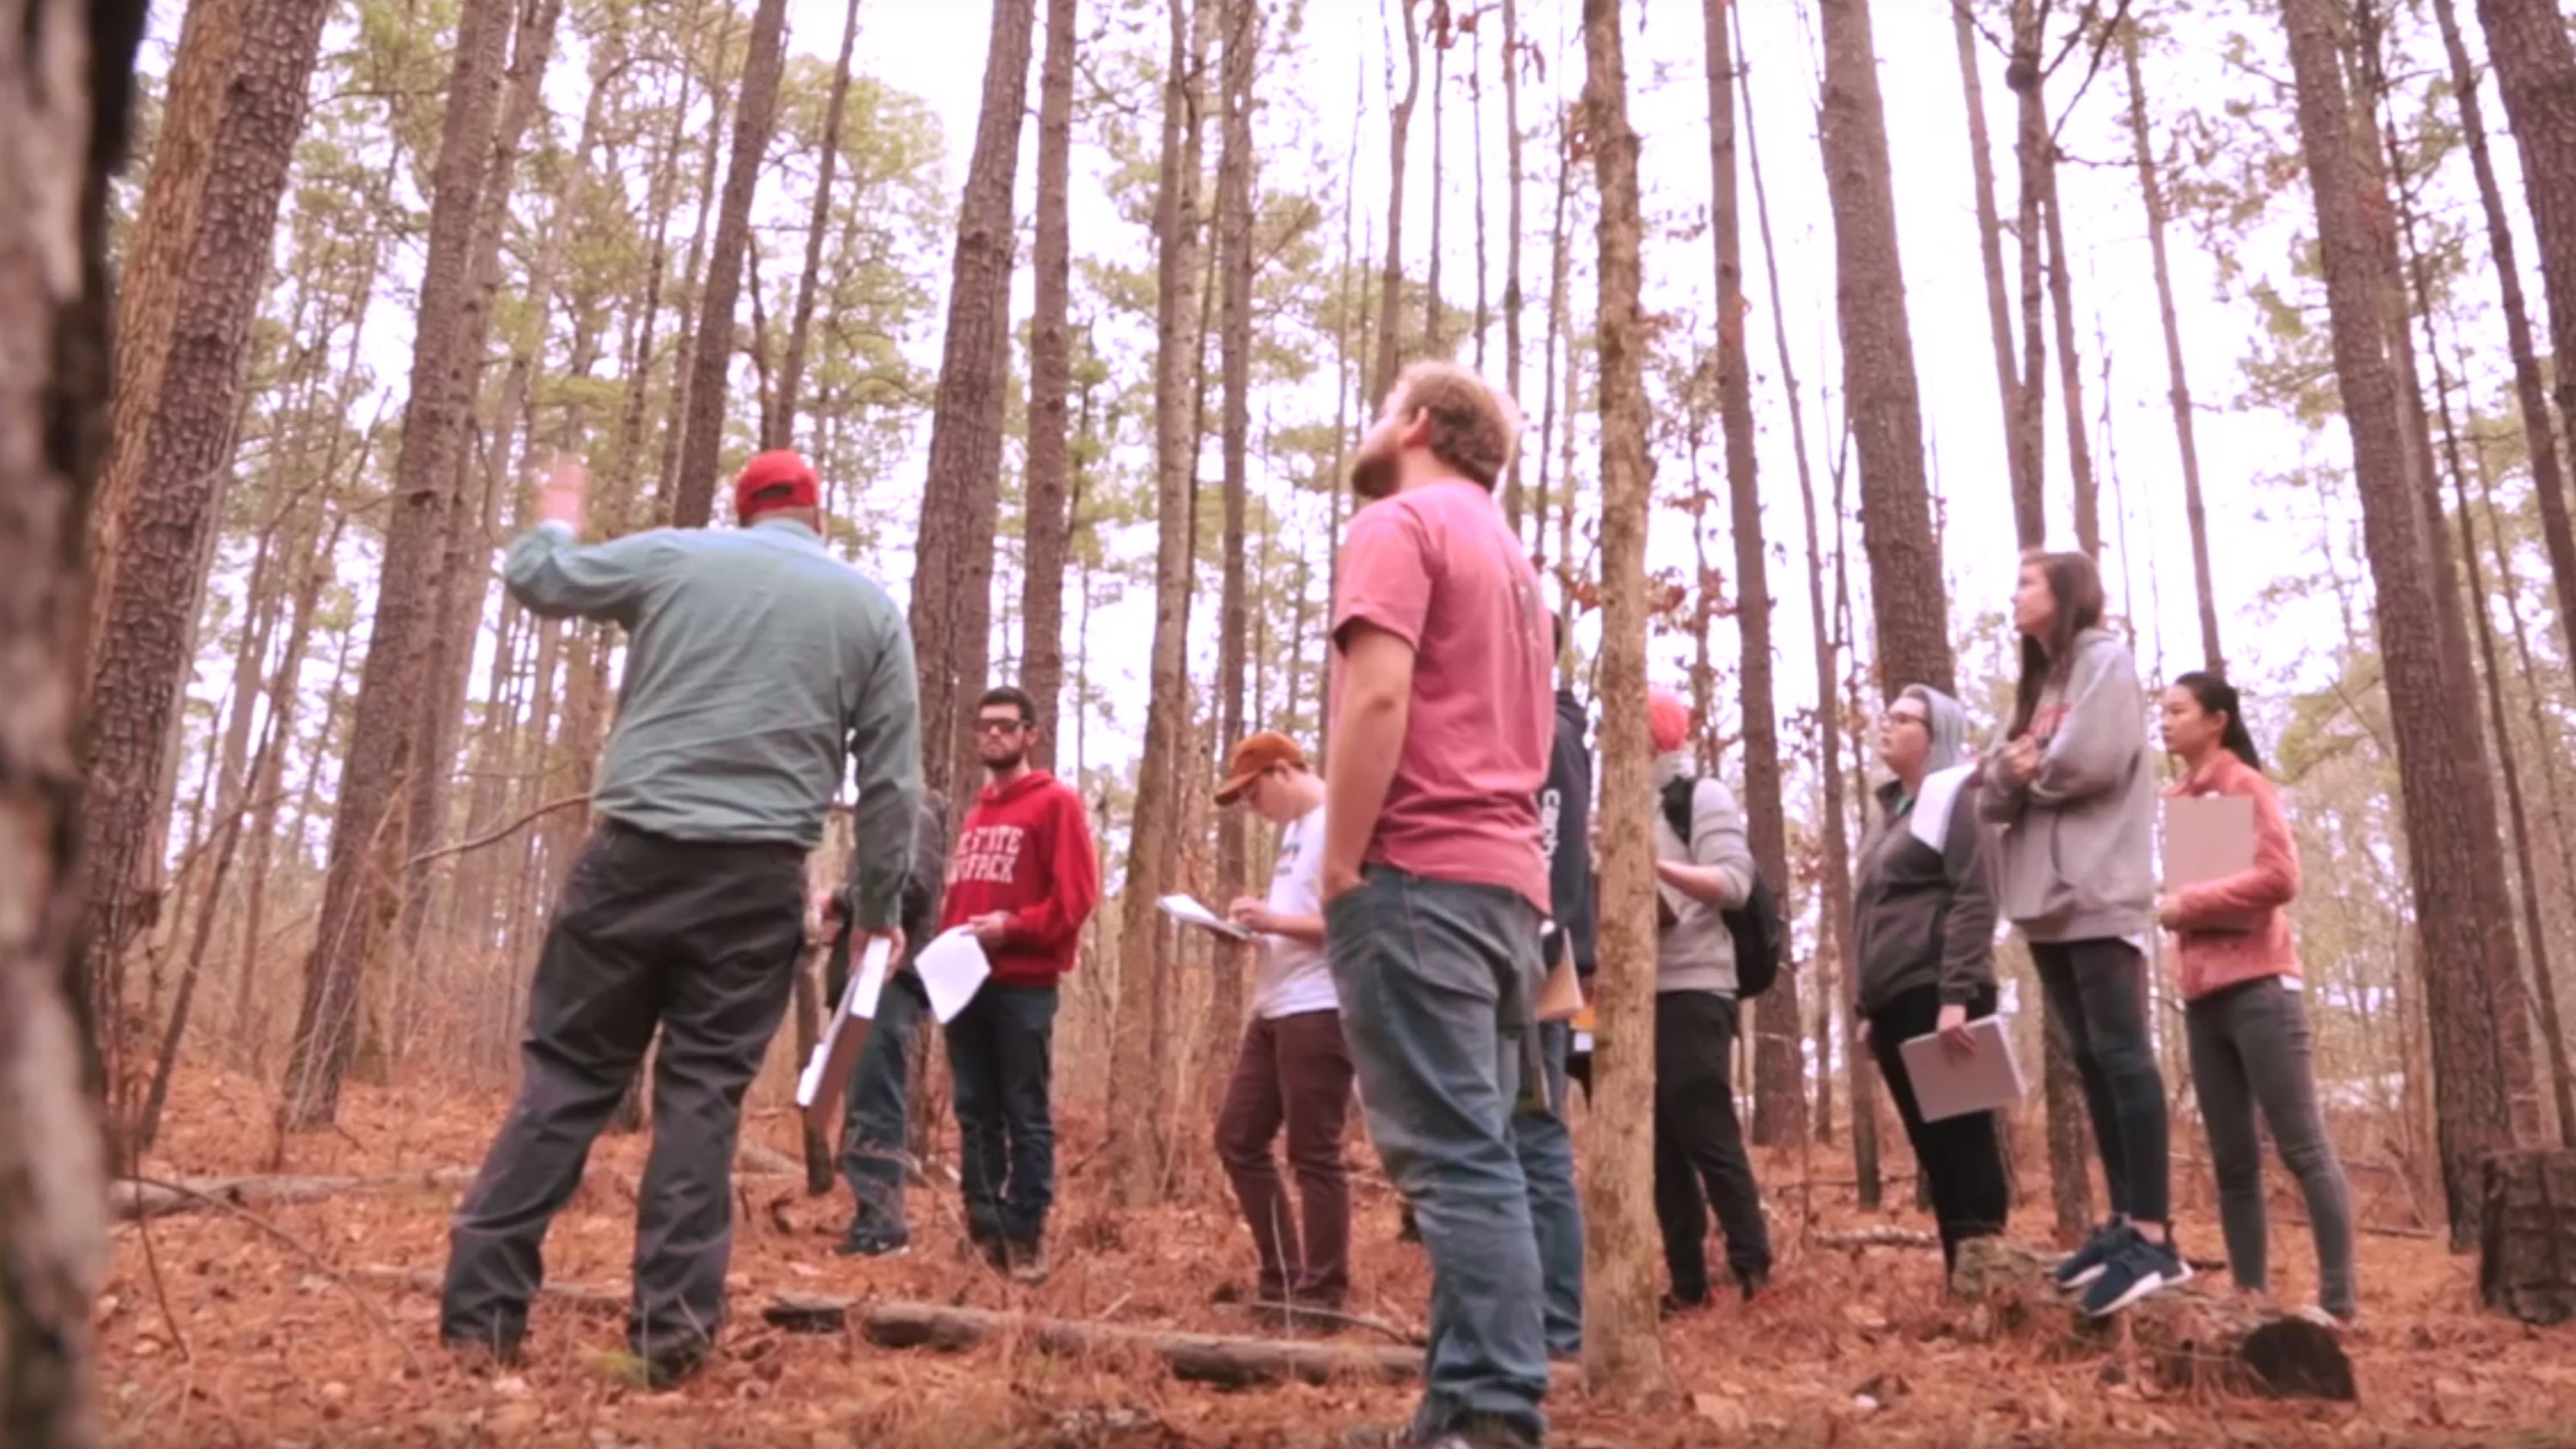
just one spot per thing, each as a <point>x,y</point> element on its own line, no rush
<point>780,478</point>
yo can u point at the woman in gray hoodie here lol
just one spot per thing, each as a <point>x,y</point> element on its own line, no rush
<point>1923,932</point>
<point>2074,790</point>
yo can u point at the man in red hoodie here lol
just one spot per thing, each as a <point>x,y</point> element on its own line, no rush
<point>1024,879</point>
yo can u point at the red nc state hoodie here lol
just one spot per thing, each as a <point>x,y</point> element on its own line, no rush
<point>1026,851</point>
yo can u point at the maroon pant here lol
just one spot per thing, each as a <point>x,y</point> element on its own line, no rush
<point>1293,1071</point>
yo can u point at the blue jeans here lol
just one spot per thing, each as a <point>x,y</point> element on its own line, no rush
<point>874,1124</point>
<point>1001,1059</point>
<point>1546,1151</point>
<point>1436,980</point>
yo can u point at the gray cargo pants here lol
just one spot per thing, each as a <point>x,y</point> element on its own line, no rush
<point>701,940</point>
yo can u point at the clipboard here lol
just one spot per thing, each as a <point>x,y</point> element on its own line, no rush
<point>2207,838</point>
<point>827,1071</point>
<point>1948,1086</point>
<point>1560,997</point>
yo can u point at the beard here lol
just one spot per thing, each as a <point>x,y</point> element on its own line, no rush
<point>1373,472</point>
<point>999,760</point>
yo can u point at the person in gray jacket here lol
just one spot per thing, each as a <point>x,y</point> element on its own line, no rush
<point>2074,790</point>
<point>1923,935</point>
<point>1699,1143</point>
<point>759,669</point>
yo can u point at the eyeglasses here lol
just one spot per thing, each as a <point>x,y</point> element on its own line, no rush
<point>1912,719</point>
<point>1000,726</point>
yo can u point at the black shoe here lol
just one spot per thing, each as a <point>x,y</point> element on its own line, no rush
<point>1406,1229</point>
<point>1752,1281</point>
<point>1674,1305</point>
<point>988,1249</point>
<point>1472,1431</point>
<point>483,1355</point>
<point>673,1367</point>
<point>873,1240</point>
<point>1025,1260</point>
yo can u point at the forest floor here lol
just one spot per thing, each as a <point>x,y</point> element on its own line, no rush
<point>218,1330</point>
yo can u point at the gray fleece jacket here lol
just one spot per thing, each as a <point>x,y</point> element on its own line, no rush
<point>1696,952</point>
<point>2075,860</point>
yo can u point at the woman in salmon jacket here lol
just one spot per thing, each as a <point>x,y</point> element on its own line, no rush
<point>2244,1010</point>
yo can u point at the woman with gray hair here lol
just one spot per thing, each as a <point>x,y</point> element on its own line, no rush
<point>1924,941</point>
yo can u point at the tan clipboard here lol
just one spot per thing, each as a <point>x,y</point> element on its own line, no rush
<point>1561,997</point>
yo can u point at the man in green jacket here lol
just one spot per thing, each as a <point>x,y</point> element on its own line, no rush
<point>758,669</point>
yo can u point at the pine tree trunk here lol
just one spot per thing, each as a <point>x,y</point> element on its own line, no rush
<point>66,80</point>
<point>1622,1353</point>
<point>1435,330</point>
<point>1560,248</point>
<point>1884,399</point>
<point>1390,301</point>
<point>961,499</point>
<point>2028,509</point>
<point>2177,384</point>
<point>1136,1092</point>
<point>791,368</point>
<point>665,499</point>
<point>1235,246</point>
<point>1833,942</point>
<point>1476,128</point>
<point>2024,77</point>
<point>201,258</point>
<point>1511,64</point>
<point>2535,69</point>
<point>365,838</point>
<point>1050,386</point>
<point>1779,1063</point>
<point>711,352</point>
<point>2475,997</point>
<point>2070,376</point>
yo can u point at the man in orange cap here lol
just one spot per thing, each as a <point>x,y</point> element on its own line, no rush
<point>759,668</point>
<point>1294,1070</point>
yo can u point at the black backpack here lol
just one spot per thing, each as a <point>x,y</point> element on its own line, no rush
<point>1760,938</point>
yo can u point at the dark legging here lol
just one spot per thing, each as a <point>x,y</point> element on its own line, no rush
<point>2097,995</point>
<point>1959,1154</point>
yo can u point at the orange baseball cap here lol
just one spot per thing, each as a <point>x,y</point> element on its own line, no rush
<point>1267,750</point>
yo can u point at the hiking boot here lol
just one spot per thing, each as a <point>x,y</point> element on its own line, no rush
<point>875,1240</point>
<point>1674,1305</point>
<point>482,1356</point>
<point>989,1249</point>
<point>1471,1431</point>
<point>666,1371</point>
<point>2079,1268</point>
<point>1025,1260</point>
<point>2138,1269</point>
<point>1752,1281</point>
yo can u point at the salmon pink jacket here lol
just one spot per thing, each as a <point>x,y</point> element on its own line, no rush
<point>2237,929</point>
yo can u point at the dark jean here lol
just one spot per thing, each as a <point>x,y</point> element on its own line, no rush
<point>1546,1151</point>
<point>701,940</point>
<point>1961,1156</point>
<point>1699,1144</point>
<point>2250,1049</point>
<point>1436,981</point>
<point>1294,1072</point>
<point>1001,1060</point>
<point>874,1124</point>
<point>2097,995</point>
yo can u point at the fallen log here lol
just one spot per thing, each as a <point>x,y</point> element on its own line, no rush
<point>2187,1340</point>
<point>1206,1358</point>
<point>2527,1235</point>
<point>130,1199</point>
<point>1879,1238</point>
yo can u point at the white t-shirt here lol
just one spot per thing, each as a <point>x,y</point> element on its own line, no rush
<point>1294,977</point>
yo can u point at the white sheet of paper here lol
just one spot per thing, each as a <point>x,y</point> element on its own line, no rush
<point>952,968</point>
<point>859,1001</point>
<point>1947,1086</point>
<point>2207,837</point>
<point>1188,910</point>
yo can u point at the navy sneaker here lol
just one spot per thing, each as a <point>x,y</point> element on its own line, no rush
<point>2138,1269</point>
<point>2079,1268</point>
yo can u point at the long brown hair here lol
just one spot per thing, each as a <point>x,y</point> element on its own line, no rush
<point>2076,585</point>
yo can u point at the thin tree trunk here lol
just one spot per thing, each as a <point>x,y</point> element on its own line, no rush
<point>665,497</point>
<point>1780,1069</point>
<point>2027,80</point>
<point>1879,382</point>
<point>1136,1092</point>
<point>791,369</point>
<point>2535,69</point>
<point>1560,248</point>
<point>1235,246</point>
<point>2029,508</point>
<point>365,832</point>
<point>1476,128</point>
<point>1050,386</point>
<point>961,500</point>
<point>1390,304</point>
<point>1622,1351</point>
<point>1833,943</point>
<point>2177,385</point>
<point>2070,376</point>
<point>1435,330</point>
<point>755,111</point>
<point>2481,1048</point>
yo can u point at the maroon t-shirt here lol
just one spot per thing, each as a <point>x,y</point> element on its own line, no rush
<point>1437,567</point>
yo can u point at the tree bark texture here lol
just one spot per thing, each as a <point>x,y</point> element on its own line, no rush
<point>1622,1351</point>
<point>1050,521</point>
